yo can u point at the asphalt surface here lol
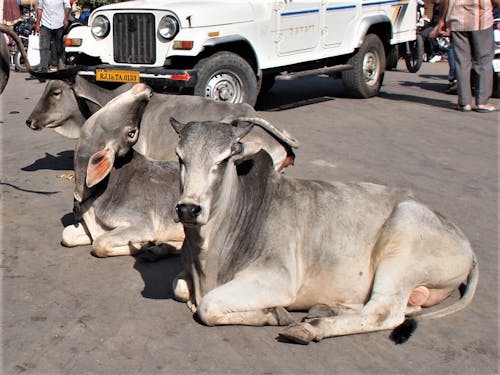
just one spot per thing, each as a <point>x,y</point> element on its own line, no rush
<point>67,312</point>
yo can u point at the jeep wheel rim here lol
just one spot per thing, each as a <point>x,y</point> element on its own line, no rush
<point>225,87</point>
<point>371,68</point>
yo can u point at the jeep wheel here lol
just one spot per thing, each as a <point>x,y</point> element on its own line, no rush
<point>368,66</point>
<point>226,77</point>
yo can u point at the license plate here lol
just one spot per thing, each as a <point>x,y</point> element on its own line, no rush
<point>117,75</point>
<point>496,65</point>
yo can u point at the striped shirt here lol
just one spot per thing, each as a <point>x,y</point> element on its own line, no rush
<point>53,13</point>
<point>469,15</point>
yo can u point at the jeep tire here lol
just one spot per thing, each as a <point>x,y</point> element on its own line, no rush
<point>226,77</point>
<point>368,66</point>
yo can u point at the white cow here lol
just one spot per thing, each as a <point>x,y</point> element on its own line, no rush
<point>259,243</point>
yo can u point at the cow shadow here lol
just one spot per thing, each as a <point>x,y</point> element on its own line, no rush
<point>62,161</point>
<point>158,276</point>
<point>300,92</point>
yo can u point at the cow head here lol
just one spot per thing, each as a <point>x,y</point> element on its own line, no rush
<point>108,134</point>
<point>207,154</point>
<point>67,102</point>
<point>57,109</point>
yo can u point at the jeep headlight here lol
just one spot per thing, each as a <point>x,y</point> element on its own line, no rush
<point>100,26</point>
<point>168,27</point>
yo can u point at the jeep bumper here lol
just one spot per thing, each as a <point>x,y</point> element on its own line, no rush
<point>157,77</point>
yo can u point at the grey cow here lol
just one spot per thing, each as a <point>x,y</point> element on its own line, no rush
<point>360,256</point>
<point>66,103</point>
<point>127,199</point>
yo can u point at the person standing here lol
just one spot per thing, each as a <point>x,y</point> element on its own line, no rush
<point>52,17</point>
<point>471,26</point>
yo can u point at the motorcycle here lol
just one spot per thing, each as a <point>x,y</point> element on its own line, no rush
<point>23,29</point>
<point>413,51</point>
<point>496,60</point>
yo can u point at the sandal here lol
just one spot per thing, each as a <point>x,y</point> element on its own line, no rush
<point>488,108</point>
<point>464,108</point>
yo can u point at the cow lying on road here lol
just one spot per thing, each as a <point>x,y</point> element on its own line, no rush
<point>66,103</point>
<point>127,199</point>
<point>259,243</point>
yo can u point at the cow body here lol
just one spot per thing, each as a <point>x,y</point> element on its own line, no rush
<point>258,242</point>
<point>127,200</point>
<point>65,104</point>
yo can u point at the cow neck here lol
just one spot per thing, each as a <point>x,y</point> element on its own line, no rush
<point>234,222</point>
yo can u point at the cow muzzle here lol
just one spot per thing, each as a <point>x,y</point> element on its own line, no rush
<point>31,124</point>
<point>188,213</point>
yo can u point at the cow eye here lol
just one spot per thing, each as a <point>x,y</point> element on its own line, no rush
<point>56,92</point>
<point>131,134</point>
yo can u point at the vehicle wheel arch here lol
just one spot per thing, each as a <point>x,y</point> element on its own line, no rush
<point>379,25</point>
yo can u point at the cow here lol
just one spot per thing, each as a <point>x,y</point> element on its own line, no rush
<point>67,102</point>
<point>127,199</point>
<point>360,257</point>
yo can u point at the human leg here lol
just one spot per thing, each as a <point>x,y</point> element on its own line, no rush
<point>45,37</point>
<point>482,53</point>
<point>463,64</point>
<point>59,47</point>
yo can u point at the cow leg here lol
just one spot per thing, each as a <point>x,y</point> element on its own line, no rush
<point>75,235</point>
<point>385,309</point>
<point>182,287</point>
<point>122,241</point>
<point>255,299</point>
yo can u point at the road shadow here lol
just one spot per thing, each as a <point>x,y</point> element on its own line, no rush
<point>68,219</point>
<point>63,161</point>
<point>158,276</point>
<point>437,83</point>
<point>300,92</point>
<point>31,191</point>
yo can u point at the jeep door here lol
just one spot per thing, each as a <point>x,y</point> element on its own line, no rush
<point>298,26</point>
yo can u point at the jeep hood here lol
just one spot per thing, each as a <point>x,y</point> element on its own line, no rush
<point>191,13</point>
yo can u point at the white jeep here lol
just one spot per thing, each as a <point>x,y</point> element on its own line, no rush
<point>230,50</point>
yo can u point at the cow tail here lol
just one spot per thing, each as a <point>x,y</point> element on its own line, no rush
<point>403,332</point>
<point>463,302</point>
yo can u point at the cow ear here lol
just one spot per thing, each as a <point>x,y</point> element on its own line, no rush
<point>177,125</point>
<point>248,149</point>
<point>99,166</point>
<point>85,90</point>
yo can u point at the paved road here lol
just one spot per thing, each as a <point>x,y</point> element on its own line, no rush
<point>67,312</point>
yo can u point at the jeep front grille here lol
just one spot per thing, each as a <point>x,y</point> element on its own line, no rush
<point>134,38</point>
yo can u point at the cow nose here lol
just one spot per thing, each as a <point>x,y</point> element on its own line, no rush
<point>188,212</point>
<point>30,124</point>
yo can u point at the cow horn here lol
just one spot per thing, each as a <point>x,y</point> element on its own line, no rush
<point>270,128</point>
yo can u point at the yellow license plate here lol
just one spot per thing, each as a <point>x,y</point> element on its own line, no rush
<point>116,75</point>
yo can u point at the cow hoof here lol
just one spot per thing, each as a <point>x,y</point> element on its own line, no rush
<point>298,333</point>
<point>283,316</point>
<point>319,311</point>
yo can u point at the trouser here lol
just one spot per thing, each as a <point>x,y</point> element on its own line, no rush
<point>474,51</point>
<point>50,39</point>
<point>452,75</point>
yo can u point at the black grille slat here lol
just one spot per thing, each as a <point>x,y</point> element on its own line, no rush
<point>134,38</point>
